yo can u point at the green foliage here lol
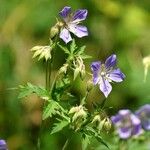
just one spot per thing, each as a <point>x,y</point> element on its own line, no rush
<point>85,141</point>
<point>59,126</point>
<point>30,89</point>
<point>51,109</point>
<point>89,131</point>
<point>74,51</point>
<point>60,88</point>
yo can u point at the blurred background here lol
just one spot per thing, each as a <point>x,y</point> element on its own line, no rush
<point>115,26</point>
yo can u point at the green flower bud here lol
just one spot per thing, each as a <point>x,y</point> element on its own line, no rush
<point>89,85</point>
<point>107,124</point>
<point>54,31</point>
<point>79,68</point>
<point>101,124</point>
<point>78,113</point>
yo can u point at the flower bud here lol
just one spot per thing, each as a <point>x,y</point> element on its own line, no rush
<point>101,124</point>
<point>107,124</point>
<point>42,52</point>
<point>89,85</point>
<point>54,31</point>
<point>96,119</point>
<point>76,72</point>
<point>78,112</point>
<point>82,72</point>
<point>63,69</point>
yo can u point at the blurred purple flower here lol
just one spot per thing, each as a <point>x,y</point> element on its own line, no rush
<point>3,145</point>
<point>127,124</point>
<point>144,115</point>
<point>71,22</point>
<point>105,73</point>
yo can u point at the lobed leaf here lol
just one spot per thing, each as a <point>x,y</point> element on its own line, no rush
<point>30,89</point>
<point>51,109</point>
<point>59,126</point>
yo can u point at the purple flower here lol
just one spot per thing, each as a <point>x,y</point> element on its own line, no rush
<point>3,145</point>
<point>105,73</point>
<point>127,124</point>
<point>144,115</point>
<point>71,22</point>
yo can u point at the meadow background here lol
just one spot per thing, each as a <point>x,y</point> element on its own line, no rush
<point>115,26</point>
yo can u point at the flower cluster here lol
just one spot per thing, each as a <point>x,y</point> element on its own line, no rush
<point>128,124</point>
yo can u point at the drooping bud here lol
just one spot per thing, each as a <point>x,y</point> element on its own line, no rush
<point>89,85</point>
<point>78,112</point>
<point>82,72</point>
<point>42,52</point>
<point>79,68</point>
<point>107,124</point>
<point>101,124</point>
<point>54,31</point>
<point>76,72</point>
<point>63,69</point>
<point>96,119</point>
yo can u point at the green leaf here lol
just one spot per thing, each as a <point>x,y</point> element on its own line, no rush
<point>51,109</point>
<point>94,133</point>
<point>59,126</point>
<point>30,89</point>
<point>85,56</point>
<point>65,49</point>
<point>80,50</point>
<point>54,108</point>
<point>85,141</point>
<point>73,46</point>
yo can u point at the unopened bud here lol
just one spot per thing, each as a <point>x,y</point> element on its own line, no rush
<point>73,110</point>
<point>42,52</point>
<point>76,72</point>
<point>63,69</point>
<point>78,111</point>
<point>96,119</point>
<point>54,31</point>
<point>82,72</point>
<point>101,124</point>
<point>89,85</point>
<point>107,124</point>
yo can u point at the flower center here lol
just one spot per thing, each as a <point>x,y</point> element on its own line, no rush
<point>103,70</point>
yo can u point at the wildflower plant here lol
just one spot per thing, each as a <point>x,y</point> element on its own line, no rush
<point>75,117</point>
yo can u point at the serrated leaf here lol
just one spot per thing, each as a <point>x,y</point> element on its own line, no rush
<point>65,49</point>
<point>59,126</point>
<point>86,56</point>
<point>94,133</point>
<point>51,109</point>
<point>30,89</point>
<point>85,141</point>
<point>73,46</point>
<point>80,50</point>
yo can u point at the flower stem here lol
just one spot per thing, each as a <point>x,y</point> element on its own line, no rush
<point>66,144</point>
